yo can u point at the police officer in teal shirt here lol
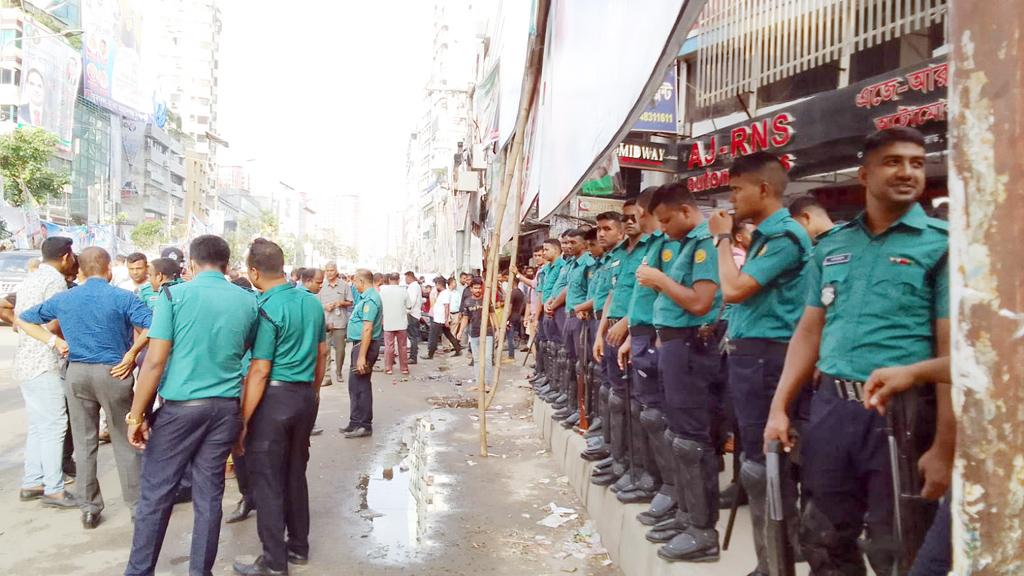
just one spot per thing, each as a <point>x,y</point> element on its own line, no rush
<point>366,333</point>
<point>877,296</point>
<point>810,214</point>
<point>613,332</point>
<point>690,369</point>
<point>201,330</point>
<point>607,236</point>
<point>289,357</point>
<point>576,270</point>
<point>766,297</point>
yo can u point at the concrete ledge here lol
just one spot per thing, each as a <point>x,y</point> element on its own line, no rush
<point>620,531</point>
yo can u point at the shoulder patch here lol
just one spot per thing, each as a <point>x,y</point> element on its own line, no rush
<point>366,308</point>
<point>762,251</point>
<point>700,256</point>
<point>666,255</point>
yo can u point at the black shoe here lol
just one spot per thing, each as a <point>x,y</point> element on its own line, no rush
<point>65,502</point>
<point>183,495</point>
<point>458,352</point>
<point>359,433</point>
<point>411,361</point>
<point>90,520</point>
<point>242,511</point>
<point>635,496</point>
<point>347,429</point>
<point>258,568</point>
<point>692,545</point>
<point>316,431</point>
<point>597,454</point>
<point>29,494</point>
<point>726,497</point>
<point>298,559</point>
<point>571,421</point>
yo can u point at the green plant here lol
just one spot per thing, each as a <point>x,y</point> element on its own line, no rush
<point>24,165</point>
<point>149,234</point>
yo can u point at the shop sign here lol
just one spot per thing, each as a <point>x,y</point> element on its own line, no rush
<point>660,115</point>
<point>825,132</point>
<point>646,156</point>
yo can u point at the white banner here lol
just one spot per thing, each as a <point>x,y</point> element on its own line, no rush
<point>603,62</point>
<point>511,40</point>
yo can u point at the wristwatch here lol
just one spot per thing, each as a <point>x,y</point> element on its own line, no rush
<point>133,421</point>
<point>722,236</point>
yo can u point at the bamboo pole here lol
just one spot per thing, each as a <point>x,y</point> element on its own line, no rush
<point>530,83</point>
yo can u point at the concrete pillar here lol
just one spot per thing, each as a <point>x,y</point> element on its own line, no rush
<point>986,254</point>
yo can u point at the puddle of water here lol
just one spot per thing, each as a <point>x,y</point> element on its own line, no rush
<point>396,500</point>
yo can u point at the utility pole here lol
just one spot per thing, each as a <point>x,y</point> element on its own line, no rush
<point>986,251</point>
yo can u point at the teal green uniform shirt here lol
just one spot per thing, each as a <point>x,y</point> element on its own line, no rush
<point>148,295</point>
<point>779,251</point>
<point>368,308</point>
<point>600,282</point>
<point>623,274</point>
<point>696,261</point>
<point>661,250</point>
<point>552,270</point>
<point>577,280</point>
<point>291,327</point>
<point>561,278</point>
<point>881,294</point>
<point>540,278</point>
<point>211,324</point>
<point>817,239</point>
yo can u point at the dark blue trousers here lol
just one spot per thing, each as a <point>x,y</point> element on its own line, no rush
<point>848,484</point>
<point>935,558</point>
<point>360,389</point>
<point>612,372</point>
<point>571,340</point>
<point>755,367</point>
<point>199,432</point>
<point>644,357</point>
<point>689,381</point>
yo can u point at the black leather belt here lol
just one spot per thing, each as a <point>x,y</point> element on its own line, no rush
<point>283,383</point>
<point>201,401</point>
<point>648,331</point>
<point>669,334</point>
<point>842,388</point>
<point>758,347</point>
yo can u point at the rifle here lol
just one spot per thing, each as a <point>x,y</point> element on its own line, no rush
<point>910,428</point>
<point>780,555</point>
<point>582,386</point>
<point>629,423</point>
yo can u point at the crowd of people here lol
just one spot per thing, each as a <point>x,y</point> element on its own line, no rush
<point>817,353</point>
<point>666,337</point>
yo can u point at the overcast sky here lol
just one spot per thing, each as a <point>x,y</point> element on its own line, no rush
<point>324,94</point>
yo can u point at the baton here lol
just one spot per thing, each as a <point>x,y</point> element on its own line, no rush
<point>780,556</point>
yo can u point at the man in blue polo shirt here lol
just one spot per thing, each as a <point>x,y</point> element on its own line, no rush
<point>98,322</point>
<point>366,333</point>
<point>201,331</point>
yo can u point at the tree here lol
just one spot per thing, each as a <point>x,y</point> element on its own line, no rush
<point>149,234</point>
<point>24,165</point>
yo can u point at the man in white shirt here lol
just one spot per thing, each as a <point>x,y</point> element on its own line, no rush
<point>440,314</point>
<point>37,370</point>
<point>138,273</point>
<point>413,318</point>
<point>396,303</point>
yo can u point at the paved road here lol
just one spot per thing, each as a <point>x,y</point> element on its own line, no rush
<point>415,498</point>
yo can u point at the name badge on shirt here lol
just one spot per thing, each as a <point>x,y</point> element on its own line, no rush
<point>837,259</point>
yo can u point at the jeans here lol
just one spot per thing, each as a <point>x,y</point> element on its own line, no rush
<point>487,358</point>
<point>514,330</point>
<point>935,557</point>
<point>198,432</point>
<point>47,424</point>
<point>392,340</point>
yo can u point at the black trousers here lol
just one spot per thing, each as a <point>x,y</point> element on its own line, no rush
<point>412,330</point>
<point>360,389</point>
<point>277,450</point>
<point>436,330</point>
<point>242,477</point>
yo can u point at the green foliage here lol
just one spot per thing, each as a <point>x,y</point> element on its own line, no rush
<point>249,228</point>
<point>149,234</point>
<point>24,165</point>
<point>121,218</point>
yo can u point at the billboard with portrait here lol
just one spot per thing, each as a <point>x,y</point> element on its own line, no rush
<point>112,55</point>
<point>49,83</point>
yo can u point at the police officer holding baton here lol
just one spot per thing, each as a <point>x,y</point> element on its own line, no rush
<point>289,357</point>
<point>878,295</point>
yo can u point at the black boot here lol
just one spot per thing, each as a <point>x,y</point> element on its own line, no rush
<point>699,471</point>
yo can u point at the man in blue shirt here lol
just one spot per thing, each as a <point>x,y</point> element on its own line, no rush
<point>366,333</point>
<point>98,322</point>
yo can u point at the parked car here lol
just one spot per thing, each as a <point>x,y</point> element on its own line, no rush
<point>14,268</point>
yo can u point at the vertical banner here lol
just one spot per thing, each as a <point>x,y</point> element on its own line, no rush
<point>113,55</point>
<point>49,83</point>
<point>660,115</point>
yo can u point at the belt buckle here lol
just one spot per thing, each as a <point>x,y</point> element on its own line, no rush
<point>850,390</point>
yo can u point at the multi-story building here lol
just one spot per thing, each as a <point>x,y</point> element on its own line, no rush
<point>189,65</point>
<point>164,193</point>
<point>434,204</point>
